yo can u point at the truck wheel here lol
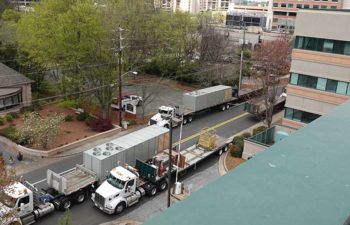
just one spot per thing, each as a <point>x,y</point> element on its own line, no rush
<point>166,126</point>
<point>120,208</point>
<point>184,122</point>
<point>79,197</point>
<point>190,119</point>
<point>163,186</point>
<point>223,108</point>
<point>220,152</point>
<point>226,148</point>
<point>65,204</point>
<point>153,191</point>
<point>227,106</point>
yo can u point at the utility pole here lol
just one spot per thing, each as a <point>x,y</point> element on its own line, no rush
<point>120,47</point>
<point>241,62</point>
<point>170,157</point>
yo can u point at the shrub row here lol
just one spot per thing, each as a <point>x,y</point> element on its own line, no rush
<point>9,117</point>
<point>99,124</point>
<point>236,149</point>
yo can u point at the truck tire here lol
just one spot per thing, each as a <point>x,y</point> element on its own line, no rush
<point>163,186</point>
<point>184,121</point>
<point>189,119</point>
<point>119,208</point>
<point>220,152</point>
<point>166,126</point>
<point>79,197</point>
<point>227,106</point>
<point>153,191</point>
<point>66,203</point>
<point>226,148</point>
<point>223,107</point>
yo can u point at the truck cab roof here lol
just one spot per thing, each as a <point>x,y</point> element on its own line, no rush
<point>17,190</point>
<point>122,173</point>
<point>165,108</point>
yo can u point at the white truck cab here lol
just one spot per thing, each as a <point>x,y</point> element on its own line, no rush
<point>159,117</point>
<point>118,191</point>
<point>17,198</point>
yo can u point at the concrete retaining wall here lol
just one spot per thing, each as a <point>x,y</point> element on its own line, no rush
<point>64,148</point>
<point>251,149</point>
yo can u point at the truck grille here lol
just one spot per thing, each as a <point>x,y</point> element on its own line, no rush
<point>151,122</point>
<point>99,199</point>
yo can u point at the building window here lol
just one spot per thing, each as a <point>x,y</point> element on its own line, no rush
<point>307,81</point>
<point>328,46</point>
<point>323,45</point>
<point>334,0</point>
<point>294,78</point>
<point>11,101</point>
<point>290,5</point>
<point>324,0</point>
<point>299,42</point>
<point>275,4</point>
<point>288,114</point>
<point>333,7</point>
<point>300,116</point>
<point>275,20</point>
<point>283,5</point>
<point>306,6</point>
<point>293,14</point>
<point>321,84</point>
<point>341,87</point>
<point>323,7</point>
<point>331,85</point>
<point>347,48</point>
<point>279,13</point>
<point>315,6</point>
<point>348,92</point>
<point>299,6</point>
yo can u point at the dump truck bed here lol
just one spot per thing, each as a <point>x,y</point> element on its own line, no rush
<point>71,180</point>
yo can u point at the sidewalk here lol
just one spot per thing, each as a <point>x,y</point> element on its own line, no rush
<point>222,167</point>
<point>31,163</point>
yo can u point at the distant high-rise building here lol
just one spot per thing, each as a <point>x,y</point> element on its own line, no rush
<point>285,11</point>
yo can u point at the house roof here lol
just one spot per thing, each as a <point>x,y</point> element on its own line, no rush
<point>303,179</point>
<point>10,77</point>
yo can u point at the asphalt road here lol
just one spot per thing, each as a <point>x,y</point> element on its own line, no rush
<point>86,214</point>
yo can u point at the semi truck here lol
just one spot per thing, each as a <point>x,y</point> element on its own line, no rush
<point>194,102</point>
<point>144,155</point>
<point>126,185</point>
<point>75,185</point>
<point>29,203</point>
<point>257,106</point>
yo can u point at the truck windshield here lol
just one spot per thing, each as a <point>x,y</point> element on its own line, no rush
<point>8,200</point>
<point>117,183</point>
<point>164,112</point>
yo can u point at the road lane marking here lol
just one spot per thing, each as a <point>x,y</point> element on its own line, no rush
<point>213,127</point>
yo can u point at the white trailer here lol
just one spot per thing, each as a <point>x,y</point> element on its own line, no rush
<point>219,97</point>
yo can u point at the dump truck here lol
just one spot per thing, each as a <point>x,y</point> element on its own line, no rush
<point>126,185</point>
<point>63,190</point>
<point>194,102</point>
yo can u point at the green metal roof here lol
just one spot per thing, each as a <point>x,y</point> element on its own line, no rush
<point>303,179</point>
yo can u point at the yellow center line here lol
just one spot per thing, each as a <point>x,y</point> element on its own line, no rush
<point>213,127</point>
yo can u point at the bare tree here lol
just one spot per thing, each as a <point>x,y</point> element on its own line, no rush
<point>148,94</point>
<point>272,63</point>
